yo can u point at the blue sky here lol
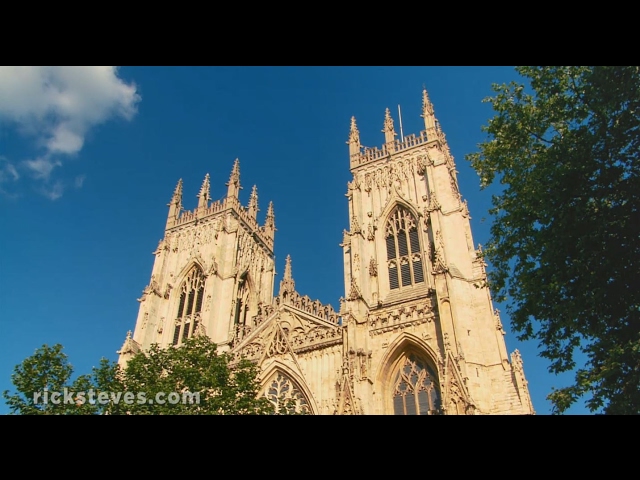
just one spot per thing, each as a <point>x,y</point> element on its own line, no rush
<point>89,158</point>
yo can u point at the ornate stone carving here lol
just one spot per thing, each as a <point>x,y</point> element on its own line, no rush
<point>200,330</point>
<point>439,265</point>
<point>373,267</point>
<point>516,361</point>
<point>152,288</point>
<point>410,315</point>
<point>422,162</point>
<point>355,225</point>
<point>465,210</point>
<point>162,246</point>
<point>364,361</point>
<point>354,293</point>
<point>371,233</point>
<point>433,204</point>
<point>499,327</point>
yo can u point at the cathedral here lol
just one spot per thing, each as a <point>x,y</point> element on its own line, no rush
<point>415,333</point>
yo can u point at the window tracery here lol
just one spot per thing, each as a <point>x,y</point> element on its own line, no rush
<point>285,395</point>
<point>404,256</point>
<point>190,306</point>
<point>242,302</point>
<point>415,388</point>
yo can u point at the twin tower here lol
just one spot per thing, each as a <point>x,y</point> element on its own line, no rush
<point>415,333</point>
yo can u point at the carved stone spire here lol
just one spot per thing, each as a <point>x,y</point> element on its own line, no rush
<point>252,209</point>
<point>129,349</point>
<point>287,284</point>
<point>270,222</point>
<point>177,193</point>
<point>234,180</point>
<point>354,138</point>
<point>205,195</point>
<point>175,206</point>
<point>388,130</point>
<point>428,115</point>
<point>287,268</point>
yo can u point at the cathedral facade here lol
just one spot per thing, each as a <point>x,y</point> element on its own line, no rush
<point>416,331</point>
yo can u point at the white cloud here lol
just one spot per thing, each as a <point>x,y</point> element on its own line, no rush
<point>8,171</point>
<point>79,181</point>
<point>58,106</point>
<point>42,167</point>
<point>54,191</point>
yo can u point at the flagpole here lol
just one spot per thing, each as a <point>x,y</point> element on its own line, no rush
<point>400,117</point>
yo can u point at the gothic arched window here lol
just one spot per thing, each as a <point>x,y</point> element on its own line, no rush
<point>285,395</point>
<point>242,302</point>
<point>415,388</point>
<point>188,315</point>
<point>404,257</point>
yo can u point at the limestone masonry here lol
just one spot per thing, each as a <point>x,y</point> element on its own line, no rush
<point>416,331</point>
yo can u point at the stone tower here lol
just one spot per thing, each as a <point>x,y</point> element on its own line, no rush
<point>416,331</point>
<point>213,270</point>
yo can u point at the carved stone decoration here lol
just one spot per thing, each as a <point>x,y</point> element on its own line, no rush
<point>410,316</point>
<point>364,361</point>
<point>368,181</point>
<point>499,327</point>
<point>277,345</point>
<point>457,404</point>
<point>213,269</point>
<point>172,242</point>
<point>465,210</point>
<point>162,246</point>
<point>516,361</point>
<point>130,346</point>
<point>145,320</point>
<point>252,351</point>
<point>422,162</point>
<point>454,182</point>
<point>152,288</point>
<point>433,204</point>
<point>355,225</point>
<point>285,395</point>
<point>371,233</point>
<point>447,343</point>
<point>354,293</point>
<point>161,325</point>
<point>200,330</point>
<point>167,291</point>
<point>439,265</point>
<point>356,263</point>
<point>373,267</point>
<point>457,398</point>
<point>346,403</point>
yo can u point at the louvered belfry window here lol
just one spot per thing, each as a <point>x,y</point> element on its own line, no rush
<point>404,258</point>
<point>188,315</point>
<point>242,303</point>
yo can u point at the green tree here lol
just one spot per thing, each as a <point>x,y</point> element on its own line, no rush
<point>196,367</point>
<point>218,385</point>
<point>41,381</point>
<point>565,237</point>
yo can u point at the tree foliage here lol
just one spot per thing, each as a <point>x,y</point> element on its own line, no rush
<point>201,380</point>
<point>565,238</point>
